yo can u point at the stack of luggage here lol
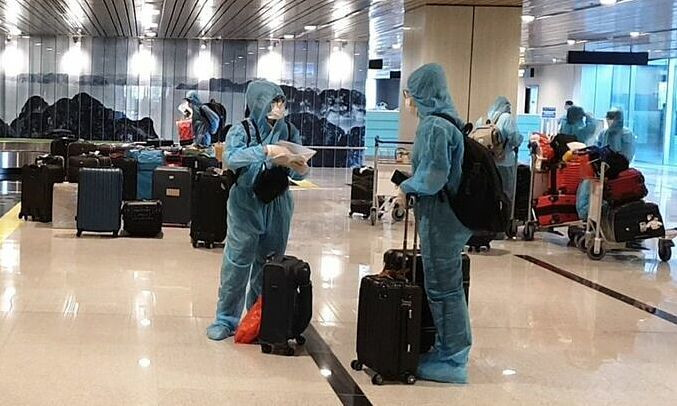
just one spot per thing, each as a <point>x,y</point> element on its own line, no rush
<point>158,185</point>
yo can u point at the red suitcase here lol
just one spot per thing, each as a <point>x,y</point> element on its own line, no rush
<point>556,209</point>
<point>627,187</point>
<point>569,177</point>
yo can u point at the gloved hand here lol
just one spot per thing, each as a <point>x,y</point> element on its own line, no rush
<point>275,151</point>
<point>299,167</point>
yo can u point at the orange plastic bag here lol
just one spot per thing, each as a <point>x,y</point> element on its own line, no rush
<point>249,328</point>
<point>185,129</point>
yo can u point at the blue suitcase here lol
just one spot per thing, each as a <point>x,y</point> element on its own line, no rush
<point>147,161</point>
<point>99,200</point>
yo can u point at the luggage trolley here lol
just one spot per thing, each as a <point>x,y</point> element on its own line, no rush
<point>595,242</point>
<point>540,180</point>
<point>389,156</point>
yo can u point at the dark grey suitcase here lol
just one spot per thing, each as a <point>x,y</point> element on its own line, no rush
<point>172,186</point>
<point>99,200</point>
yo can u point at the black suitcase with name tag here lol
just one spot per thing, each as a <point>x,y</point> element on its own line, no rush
<point>389,323</point>
<point>635,221</point>
<point>142,218</point>
<point>173,186</point>
<point>37,185</point>
<point>287,304</point>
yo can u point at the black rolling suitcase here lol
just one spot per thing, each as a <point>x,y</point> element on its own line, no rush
<point>77,162</point>
<point>389,323</point>
<point>287,304</point>
<point>393,260</point>
<point>208,217</point>
<point>37,185</point>
<point>634,221</point>
<point>198,163</point>
<point>142,218</point>
<point>361,191</point>
<point>99,200</point>
<point>129,168</point>
<point>173,187</point>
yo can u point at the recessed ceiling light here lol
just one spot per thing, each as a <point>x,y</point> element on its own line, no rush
<point>608,2</point>
<point>310,27</point>
<point>250,53</point>
<point>635,34</point>
<point>203,46</point>
<point>554,60</point>
<point>571,42</point>
<point>528,18</point>
<point>151,34</point>
<point>397,46</point>
<point>289,36</point>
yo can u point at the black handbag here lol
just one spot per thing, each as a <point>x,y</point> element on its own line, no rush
<point>271,183</point>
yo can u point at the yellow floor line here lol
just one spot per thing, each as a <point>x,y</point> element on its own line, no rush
<point>9,222</point>
<point>305,184</point>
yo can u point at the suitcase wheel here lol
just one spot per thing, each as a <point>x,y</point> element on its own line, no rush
<point>409,379</point>
<point>356,365</point>
<point>194,242</point>
<point>79,233</point>
<point>300,340</point>
<point>377,379</point>
<point>266,348</point>
<point>665,250</point>
<point>289,351</point>
<point>115,234</point>
<point>529,231</point>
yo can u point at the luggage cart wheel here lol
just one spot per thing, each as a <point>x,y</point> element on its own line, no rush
<point>511,230</point>
<point>398,213</point>
<point>372,216</point>
<point>356,365</point>
<point>377,379</point>
<point>300,340</point>
<point>409,379</point>
<point>665,250</point>
<point>529,232</point>
<point>595,256</point>
<point>266,348</point>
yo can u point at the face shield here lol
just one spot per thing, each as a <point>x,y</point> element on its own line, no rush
<point>278,108</point>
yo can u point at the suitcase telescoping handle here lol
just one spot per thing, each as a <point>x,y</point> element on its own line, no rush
<point>410,201</point>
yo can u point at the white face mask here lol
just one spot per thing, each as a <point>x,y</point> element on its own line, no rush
<point>410,105</point>
<point>277,112</point>
<point>185,109</point>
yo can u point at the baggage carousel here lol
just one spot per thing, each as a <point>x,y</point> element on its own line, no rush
<point>16,152</point>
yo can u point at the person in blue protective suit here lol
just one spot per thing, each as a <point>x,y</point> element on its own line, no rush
<point>436,163</point>
<point>579,124</point>
<point>205,121</point>
<point>619,139</point>
<point>256,230</point>
<point>500,114</point>
<point>616,136</point>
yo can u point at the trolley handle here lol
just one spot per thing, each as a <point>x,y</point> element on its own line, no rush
<point>410,202</point>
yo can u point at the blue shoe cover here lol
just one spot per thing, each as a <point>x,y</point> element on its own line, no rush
<point>219,332</point>
<point>440,371</point>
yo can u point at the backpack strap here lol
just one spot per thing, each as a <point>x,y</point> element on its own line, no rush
<point>464,130</point>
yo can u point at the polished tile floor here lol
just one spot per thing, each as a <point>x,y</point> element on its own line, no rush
<point>98,321</point>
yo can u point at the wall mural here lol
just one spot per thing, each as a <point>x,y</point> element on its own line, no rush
<point>125,90</point>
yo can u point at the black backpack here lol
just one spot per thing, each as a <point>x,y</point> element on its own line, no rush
<point>480,203</point>
<point>220,111</point>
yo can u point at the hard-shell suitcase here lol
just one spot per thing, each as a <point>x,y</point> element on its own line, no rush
<point>628,187</point>
<point>389,318</point>
<point>64,207</point>
<point>210,198</point>
<point>37,183</point>
<point>129,168</point>
<point>99,200</point>
<point>142,218</point>
<point>147,161</point>
<point>287,304</point>
<point>556,209</point>
<point>569,177</point>
<point>361,191</point>
<point>522,192</point>
<point>393,259</point>
<point>634,222</point>
<point>77,162</point>
<point>172,186</point>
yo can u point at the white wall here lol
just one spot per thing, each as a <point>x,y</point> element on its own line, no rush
<point>556,85</point>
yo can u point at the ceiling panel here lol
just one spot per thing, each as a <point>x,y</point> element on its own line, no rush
<point>598,28</point>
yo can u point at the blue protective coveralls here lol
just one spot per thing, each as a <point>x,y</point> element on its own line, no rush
<point>437,159</point>
<point>255,230</point>
<point>621,140</point>
<point>205,122</point>
<point>500,114</point>
<point>575,125</point>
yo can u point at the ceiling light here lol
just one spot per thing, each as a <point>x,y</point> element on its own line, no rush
<point>310,27</point>
<point>203,46</point>
<point>635,34</point>
<point>289,36</point>
<point>522,50</point>
<point>250,53</point>
<point>571,42</point>
<point>607,2</point>
<point>509,372</point>
<point>554,60</point>
<point>528,18</point>
<point>151,34</point>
